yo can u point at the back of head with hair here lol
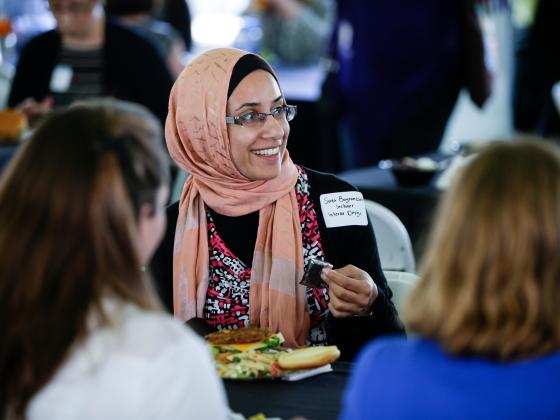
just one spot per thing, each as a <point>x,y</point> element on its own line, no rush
<point>491,278</point>
<point>68,209</point>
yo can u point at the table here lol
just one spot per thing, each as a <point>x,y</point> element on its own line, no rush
<point>318,397</point>
<point>413,205</point>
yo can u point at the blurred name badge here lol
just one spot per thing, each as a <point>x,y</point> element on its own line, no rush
<point>344,209</point>
<point>61,78</point>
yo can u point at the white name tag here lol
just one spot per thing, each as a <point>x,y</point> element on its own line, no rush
<point>61,78</point>
<point>344,209</point>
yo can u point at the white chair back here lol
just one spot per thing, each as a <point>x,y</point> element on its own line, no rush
<point>401,284</point>
<point>393,241</point>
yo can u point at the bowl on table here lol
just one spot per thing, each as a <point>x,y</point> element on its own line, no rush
<point>410,172</point>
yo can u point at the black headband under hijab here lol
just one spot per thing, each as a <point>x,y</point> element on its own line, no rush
<point>245,65</point>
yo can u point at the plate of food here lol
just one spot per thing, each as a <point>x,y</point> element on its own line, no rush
<point>253,353</point>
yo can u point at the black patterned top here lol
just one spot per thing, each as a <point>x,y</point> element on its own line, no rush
<point>227,298</point>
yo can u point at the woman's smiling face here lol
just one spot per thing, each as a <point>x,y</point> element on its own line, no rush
<point>257,151</point>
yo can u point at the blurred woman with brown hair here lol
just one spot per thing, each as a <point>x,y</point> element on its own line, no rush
<point>486,309</point>
<point>82,208</point>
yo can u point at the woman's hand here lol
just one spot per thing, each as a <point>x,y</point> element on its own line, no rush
<point>35,110</point>
<point>351,290</point>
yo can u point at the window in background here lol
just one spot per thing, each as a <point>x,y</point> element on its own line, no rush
<point>215,23</point>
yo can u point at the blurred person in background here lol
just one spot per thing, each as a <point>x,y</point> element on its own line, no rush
<point>399,68</point>
<point>249,221</point>
<point>537,69</point>
<point>178,15</point>
<point>88,56</point>
<point>486,308</point>
<point>137,14</point>
<point>83,335</point>
<point>295,32</point>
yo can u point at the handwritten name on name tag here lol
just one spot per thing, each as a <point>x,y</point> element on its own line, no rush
<point>345,208</point>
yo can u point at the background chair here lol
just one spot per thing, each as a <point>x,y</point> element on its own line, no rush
<point>393,241</point>
<point>556,96</point>
<point>401,284</point>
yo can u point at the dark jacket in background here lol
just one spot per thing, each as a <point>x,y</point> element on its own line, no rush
<point>178,15</point>
<point>401,65</point>
<point>537,69</point>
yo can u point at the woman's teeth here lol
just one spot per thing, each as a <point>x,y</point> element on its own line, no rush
<point>267,152</point>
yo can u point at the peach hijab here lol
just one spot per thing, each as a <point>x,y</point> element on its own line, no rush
<point>197,139</point>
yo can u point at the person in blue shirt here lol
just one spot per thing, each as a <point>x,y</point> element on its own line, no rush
<point>485,312</point>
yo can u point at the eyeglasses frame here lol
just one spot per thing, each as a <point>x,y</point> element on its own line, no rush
<point>262,116</point>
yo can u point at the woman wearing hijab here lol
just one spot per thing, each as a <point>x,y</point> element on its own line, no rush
<point>486,310</point>
<point>250,221</point>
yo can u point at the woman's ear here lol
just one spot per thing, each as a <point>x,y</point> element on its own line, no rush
<point>152,224</point>
<point>146,211</point>
<point>145,230</point>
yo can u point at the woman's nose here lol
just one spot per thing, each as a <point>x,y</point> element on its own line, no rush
<point>273,127</point>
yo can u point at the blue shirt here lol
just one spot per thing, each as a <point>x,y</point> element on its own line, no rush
<point>396,379</point>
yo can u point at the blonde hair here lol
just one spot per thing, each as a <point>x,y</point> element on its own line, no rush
<point>491,277</point>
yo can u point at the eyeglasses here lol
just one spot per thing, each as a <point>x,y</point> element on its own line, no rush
<point>254,119</point>
<point>74,8</point>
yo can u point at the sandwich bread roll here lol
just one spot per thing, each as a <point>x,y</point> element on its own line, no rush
<point>308,357</point>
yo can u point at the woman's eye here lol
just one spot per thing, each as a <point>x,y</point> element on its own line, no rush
<point>277,111</point>
<point>249,116</point>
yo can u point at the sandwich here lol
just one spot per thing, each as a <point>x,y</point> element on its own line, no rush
<point>245,339</point>
<point>246,353</point>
